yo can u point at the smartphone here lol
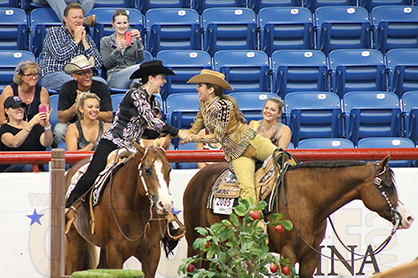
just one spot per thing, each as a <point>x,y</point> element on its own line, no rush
<point>42,108</point>
<point>128,37</point>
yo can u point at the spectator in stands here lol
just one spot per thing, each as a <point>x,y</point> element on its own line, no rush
<point>81,70</point>
<point>271,126</point>
<point>63,43</point>
<point>20,135</point>
<point>58,6</point>
<point>211,146</point>
<point>120,57</point>
<point>87,130</point>
<point>25,85</point>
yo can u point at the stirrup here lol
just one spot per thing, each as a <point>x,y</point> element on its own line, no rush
<point>178,233</point>
<point>70,215</point>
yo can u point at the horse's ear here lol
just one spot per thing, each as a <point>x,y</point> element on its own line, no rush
<point>384,161</point>
<point>140,149</point>
<point>167,142</point>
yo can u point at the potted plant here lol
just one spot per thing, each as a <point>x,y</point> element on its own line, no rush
<point>237,247</point>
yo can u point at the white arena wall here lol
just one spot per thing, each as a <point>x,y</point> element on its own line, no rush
<point>25,229</point>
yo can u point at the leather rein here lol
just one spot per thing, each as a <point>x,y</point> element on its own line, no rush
<point>396,217</point>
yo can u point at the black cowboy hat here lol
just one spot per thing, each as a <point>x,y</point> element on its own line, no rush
<point>14,102</point>
<point>151,67</point>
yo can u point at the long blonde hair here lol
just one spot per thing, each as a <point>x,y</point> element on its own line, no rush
<point>219,92</point>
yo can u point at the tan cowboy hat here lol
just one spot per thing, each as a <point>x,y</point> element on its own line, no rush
<point>211,77</point>
<point>79,62</point>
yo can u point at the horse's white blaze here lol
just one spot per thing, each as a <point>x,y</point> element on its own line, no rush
<point>407,217</point>
<point>163,193</point>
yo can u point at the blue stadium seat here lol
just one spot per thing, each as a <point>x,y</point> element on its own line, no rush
<point>114,4</point>
<point>251,104</point>
<point>14,29</point>
<point>104,27</point>
<point>172,29</point>
<point>391,143</point>
<point>10,3</point>
<point>291,146</point>
<point>245,70</point>
<point>342,28</point>
<point>145,5</point>
<point>409,102</point>
<point>9,60</point>
<point>298,70</point>
<point>325,143</point>
<point>116,99</point>
<point>182,109</point>
<point>314,4</point>
<point>370,4</point>
<point>41,20</point>
<point>257,5</point>
<point>313,115</point>
<point>285,28</point>
<point>357,70</point>
<point>395,27</point>
<point>229,28</point>
<point>53,103</point>
<point>403,70</point>
<point>201,5</point>
<point>371,114</point>
<point>185,64</point>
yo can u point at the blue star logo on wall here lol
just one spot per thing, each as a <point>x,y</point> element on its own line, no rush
<point>35,217</point>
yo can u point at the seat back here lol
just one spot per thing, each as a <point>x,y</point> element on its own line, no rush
<point>245,70</point>
<point>403,70</point>
<point>229,28</point>
<point>298,70</point>
<point>104,26</point>
<point>185,64</point>
<point>371,114</point>
<point>201,5</point>
<point>357,70</point>
<point>251,104</point>
<point>395,27</point>
<point>182,109</point>
<point>114,4</point>
<point>390,143</point>
<point>41,20</point>
<point>409,105</point>
<point>342,28</point>
<point>9,60</point>
<point>313,115</point>
<point>172,29</point>
<point>370,4</point>
<point>314,4</point>
<point>257,5</point>
<point>10,3</point>
<point>145,5</point>
<point>285,28</point>
<point>325,143</point>
<point>14,30</point>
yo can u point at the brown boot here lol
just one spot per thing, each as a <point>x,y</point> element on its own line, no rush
<point>90,21</point>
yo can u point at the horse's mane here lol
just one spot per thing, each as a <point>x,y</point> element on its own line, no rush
<point>327,164</point>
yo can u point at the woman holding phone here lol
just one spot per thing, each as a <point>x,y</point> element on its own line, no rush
<point>25,85</point>
<point>121,51</point>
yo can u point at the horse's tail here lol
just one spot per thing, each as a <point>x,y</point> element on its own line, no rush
<point>79,253</point>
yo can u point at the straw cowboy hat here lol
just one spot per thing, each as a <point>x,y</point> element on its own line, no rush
<point>79,62</point>
<point>150,68</point>
<point>211,77</point>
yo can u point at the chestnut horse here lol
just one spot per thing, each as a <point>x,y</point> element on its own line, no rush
<point>130,219</point>
<point>313,191</point>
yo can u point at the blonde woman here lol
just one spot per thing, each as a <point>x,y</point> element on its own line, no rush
<point>270,126</point>
<point>25,85</point>
<point>86,131</point>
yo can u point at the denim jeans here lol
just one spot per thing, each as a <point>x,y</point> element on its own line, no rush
<point>121,79</point>
<point>60,130</point>
<point>59,5</point>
